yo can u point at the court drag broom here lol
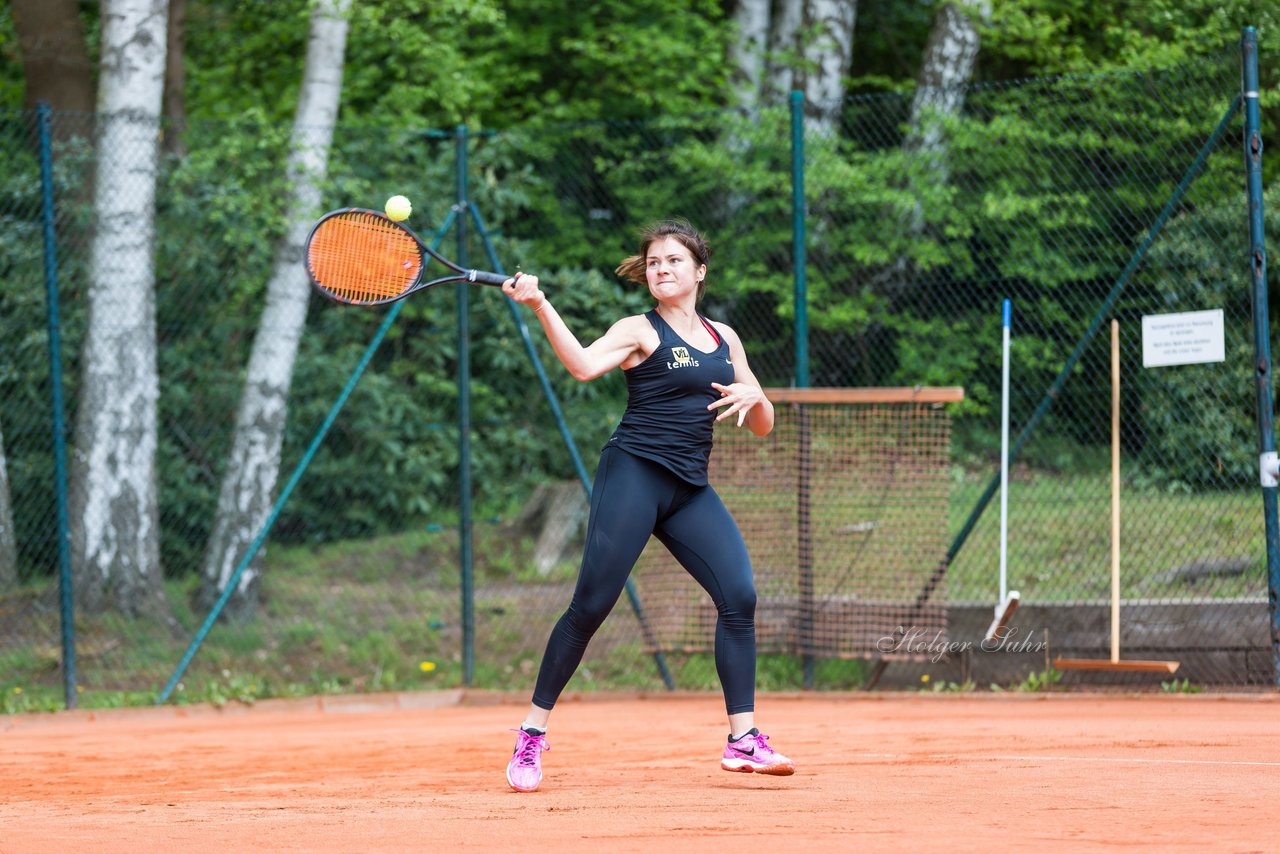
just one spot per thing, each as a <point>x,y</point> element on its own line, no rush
<point>1115,662</point>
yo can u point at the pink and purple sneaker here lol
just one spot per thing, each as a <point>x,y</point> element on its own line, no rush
<point>752,753</point>
<point>524,771</point>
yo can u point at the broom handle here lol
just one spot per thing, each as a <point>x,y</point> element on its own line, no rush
<point>1115,490</point>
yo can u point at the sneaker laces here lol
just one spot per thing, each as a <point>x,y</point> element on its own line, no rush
<point>762,744</point>
<point>529,747</point>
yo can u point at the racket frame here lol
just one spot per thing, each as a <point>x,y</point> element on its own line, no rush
<point>425,254</point>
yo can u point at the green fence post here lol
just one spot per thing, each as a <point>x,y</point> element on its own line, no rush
<point>465,556</point>
<point>798,240</point>
<point>804,522</point>
<point>1261,333</point>
<point>65,599</point>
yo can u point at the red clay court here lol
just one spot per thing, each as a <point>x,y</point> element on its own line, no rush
<point>424,772</point>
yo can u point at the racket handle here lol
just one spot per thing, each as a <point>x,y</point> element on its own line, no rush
<point>480,277</point>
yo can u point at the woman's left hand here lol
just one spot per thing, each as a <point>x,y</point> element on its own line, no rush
<point>739,397</point>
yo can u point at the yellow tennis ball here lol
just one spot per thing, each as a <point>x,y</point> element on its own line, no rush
<point>398,208</point>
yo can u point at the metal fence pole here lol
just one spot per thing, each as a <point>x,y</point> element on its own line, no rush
<point>65,598</point>
<point>804,543</point>
<point>798,237</point>
<point>465,556</point>
<point>1261,332</point>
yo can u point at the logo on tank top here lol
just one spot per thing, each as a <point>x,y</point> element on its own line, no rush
<point>682,359</point>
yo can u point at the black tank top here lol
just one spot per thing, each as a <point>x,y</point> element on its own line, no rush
<point>667,419</point>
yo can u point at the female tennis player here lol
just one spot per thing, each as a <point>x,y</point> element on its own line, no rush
<point>683,374</point>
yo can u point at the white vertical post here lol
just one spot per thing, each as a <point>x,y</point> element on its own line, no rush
<point>1004,454</point>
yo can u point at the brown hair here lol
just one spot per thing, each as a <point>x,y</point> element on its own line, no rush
<point>632,269</point>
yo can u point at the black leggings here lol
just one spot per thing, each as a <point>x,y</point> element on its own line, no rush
<point>634,497</point>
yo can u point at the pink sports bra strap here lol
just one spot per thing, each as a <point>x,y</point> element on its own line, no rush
<point>715,336</point>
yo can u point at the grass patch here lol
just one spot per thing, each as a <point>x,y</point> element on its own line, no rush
<point>1173,546</point>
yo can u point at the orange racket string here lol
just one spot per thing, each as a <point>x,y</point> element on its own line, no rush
<point>361,257</point>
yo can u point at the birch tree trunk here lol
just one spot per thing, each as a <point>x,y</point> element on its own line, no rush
<point>812,43</point>
<point>8,535</point>
<point>249,482</point>
<point>747,52</point>
<point>828,51</point>
<point>784,52</point>
<point>945,73</point>
<point>115,528</point>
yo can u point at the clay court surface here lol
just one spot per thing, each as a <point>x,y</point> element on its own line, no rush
<point>424,772</point>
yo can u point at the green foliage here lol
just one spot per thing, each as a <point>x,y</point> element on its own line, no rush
<point>620,59</point>
<point>422,63</point>
<point>11,78</point>
<point>1180,686</point>
<point>1039,682</point>
<point>231,687</point>
<point>245,59</point>
<point>1055,36</point>
<point>16,700</point>
<point>966,687</point>
<point>423,59</point>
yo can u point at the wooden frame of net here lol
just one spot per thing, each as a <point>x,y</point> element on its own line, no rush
<point>844,511</point>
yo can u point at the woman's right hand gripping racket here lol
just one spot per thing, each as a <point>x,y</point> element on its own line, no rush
<point>363,257</point>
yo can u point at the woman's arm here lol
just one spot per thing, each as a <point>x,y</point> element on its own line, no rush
<point>583,363</point>
<point>744,396</point>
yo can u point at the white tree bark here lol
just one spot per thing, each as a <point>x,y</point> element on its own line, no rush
<point>784,48</point>
<point>252,470</point>
<point>115,528</point>
<point>8,535</point>
<point>946,71</point>
<point>747,52</point>
<point>828,51</point>
<point>812,47</point>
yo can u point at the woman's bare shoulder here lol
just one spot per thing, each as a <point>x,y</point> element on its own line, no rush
<point>633,324</point>
<point>724,329</point>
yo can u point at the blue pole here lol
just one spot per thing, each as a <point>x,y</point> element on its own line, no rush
<point>465,557</point>
<point>65,599</point>
<point>1261,333</point>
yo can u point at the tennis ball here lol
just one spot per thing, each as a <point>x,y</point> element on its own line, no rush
<point>398,208</point>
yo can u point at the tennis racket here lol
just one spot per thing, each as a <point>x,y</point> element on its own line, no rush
<point>363,257</point>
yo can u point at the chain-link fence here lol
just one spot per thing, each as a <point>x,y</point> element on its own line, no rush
<point>1079,198</point>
